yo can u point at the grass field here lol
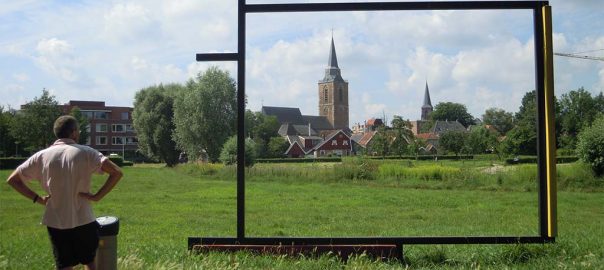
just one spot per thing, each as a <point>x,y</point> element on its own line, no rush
<point>160,207</point>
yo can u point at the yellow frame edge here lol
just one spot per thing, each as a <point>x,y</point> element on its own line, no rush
<point>550,137</point>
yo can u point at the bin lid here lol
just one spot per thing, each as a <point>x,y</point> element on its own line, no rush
<point>108,225</point>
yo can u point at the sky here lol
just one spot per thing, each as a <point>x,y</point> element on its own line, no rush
<point>109,50</point>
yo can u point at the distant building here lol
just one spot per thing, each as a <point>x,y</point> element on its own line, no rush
<point>309,134</point>
<point>369,125</point>
<point>110,127</point>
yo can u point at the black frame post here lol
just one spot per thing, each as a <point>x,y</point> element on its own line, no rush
<point>241,122</point>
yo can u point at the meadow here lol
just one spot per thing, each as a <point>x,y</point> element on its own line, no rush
<point>160,207</point>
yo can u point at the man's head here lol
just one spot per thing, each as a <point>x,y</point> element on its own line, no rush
<point>66,127</point>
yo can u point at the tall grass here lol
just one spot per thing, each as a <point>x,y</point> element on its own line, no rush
<point>427,172</point>
<point>414,174</point>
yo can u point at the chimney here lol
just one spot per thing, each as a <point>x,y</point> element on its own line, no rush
<point>308,129</point>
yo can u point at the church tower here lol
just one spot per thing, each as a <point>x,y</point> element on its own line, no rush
<point>427,107</point>
<point>333,93</point>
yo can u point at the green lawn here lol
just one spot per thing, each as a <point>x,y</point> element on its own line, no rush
<point>160,207</point>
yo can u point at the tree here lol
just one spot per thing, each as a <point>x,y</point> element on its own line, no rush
<point>33,124</point>
<point>416,145</point>
<point>261,128</point>
<point>277,146</point>
<point>590,146</point>
<point>403,134</point>
<point>153,119</point>
<point>7,141</point>
<point>449,111</point>
<point>501,120</point>
<point>83,124</point>
<point>521,140</point>
<point>453,141</point>
<point>205,113</point>
<point>527,113</point>
<point>228,155</point>
<point>578,109</point>
<point>380,142</point>
<point>481,140</point>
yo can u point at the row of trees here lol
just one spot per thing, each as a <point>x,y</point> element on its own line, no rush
<point>31,128</point>
<point>198,118</point>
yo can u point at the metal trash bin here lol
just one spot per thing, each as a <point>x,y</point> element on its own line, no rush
<point>106,255</point>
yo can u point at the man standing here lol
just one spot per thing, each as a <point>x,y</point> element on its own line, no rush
<point>64,171</point>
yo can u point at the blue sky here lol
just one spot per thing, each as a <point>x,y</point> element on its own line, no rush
<point>108,50</point>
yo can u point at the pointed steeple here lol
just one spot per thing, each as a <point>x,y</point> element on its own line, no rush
<point>427,101</point>
<point>333,59</point>
<point>427,107</point>
<point>332,72</point>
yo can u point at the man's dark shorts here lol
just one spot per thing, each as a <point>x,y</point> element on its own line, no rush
<point>74,246</point>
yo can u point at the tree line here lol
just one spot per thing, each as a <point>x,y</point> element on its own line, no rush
<point>199,118</point>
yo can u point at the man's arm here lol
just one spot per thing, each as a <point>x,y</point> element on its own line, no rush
<point>15,181</point>
<point>115,174</point>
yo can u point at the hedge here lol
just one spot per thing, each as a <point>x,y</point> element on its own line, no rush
<point>298,160</point>
<point>11,163</point>
<point>533,159</point>
<point>425,157</point>
<point>14,162</point>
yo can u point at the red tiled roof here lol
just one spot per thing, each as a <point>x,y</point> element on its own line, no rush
<point>427,136</point>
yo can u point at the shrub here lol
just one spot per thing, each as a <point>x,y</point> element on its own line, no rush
<point>118,160</point>
<point>228,155</point>
<point>590,146</point>
<point>11,163</point>
<point>356,169</point>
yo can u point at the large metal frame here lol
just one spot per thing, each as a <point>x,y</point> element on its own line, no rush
<point>545,124</point>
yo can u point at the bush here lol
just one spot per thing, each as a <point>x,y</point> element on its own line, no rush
<point>118,160</point>
<point>228,155</point>
<point>590,146</point>
<point>356,169</point>
<point>11,163</point>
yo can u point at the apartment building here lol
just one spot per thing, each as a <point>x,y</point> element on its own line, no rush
<point>110,127</point>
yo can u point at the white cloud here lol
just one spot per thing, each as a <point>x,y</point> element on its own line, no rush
<point>128,22</point>
<point>53,47</point>
<point>21,77</point>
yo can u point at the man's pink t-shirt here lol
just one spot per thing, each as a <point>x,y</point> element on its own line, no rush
<point>64,170</point>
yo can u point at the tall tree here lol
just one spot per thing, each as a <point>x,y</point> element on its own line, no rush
<point>205,113</point>
<point>451,111</point>
<point>83,124</point>
<point>33,124</point>
<point>7,141</point>
<point>453,141</point>
<point>261,128</point>
<point>402,135</point>
<point>481,140</point>
<point>380,142</point>
<point>501,120</point>
<point>578,110</point>
<point>153,119</point>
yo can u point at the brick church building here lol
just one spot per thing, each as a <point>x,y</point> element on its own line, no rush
<point>323,135</point>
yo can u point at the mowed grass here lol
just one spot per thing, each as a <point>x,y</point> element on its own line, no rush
<point>160,207</point>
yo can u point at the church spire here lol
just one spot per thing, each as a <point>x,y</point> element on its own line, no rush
<point>427,107</point>
<point>333,59</point>
<point>427,101</point>
<point>332,72</point>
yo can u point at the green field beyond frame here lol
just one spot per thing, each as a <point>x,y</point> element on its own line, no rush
<point>160,207</point>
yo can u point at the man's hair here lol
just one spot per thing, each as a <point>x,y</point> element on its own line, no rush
<point>64,126</point>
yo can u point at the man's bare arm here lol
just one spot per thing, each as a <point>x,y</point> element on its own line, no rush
<point>15,181</point>
<point>115,174</point>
